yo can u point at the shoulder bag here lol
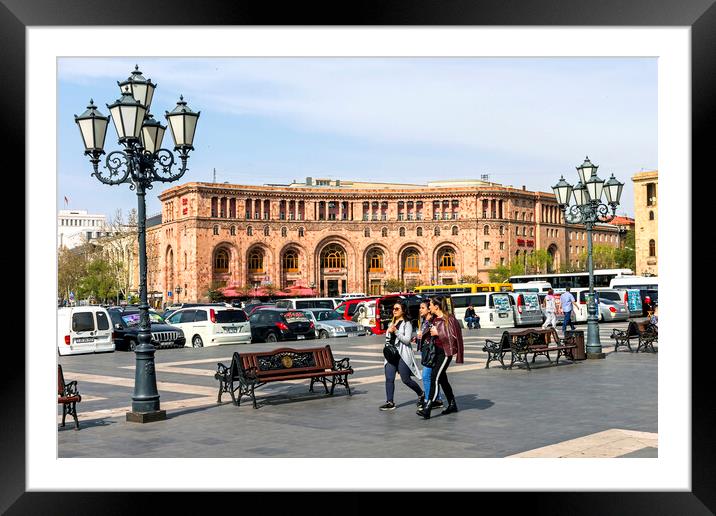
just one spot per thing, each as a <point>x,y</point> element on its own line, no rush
<point>427,358</point>
<point>390,350</point>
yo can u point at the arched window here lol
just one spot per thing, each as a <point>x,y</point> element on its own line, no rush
<point>233,230</point>
<point>250,231</point>
<point>216,230</point>
<point>419,232</point>
<point>290,261</point>
<point>486,230</point>
<point>256,261</point>
<point>300,232</point>
<point>401,232</point>
<point>652,247</point>
<point>221,261</point>
<point>267,231</point>
<point>446,259</point>
<point>651,215</point>
<point>412,261</point>
<point>437,231</point>
<point>454,230</point>
<point>376,260</point>
<point>384,232</point>
<point>333,257</point>
<point>284,232</point>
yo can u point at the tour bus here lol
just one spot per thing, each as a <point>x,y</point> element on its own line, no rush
<point>638,282</point>
<point>462,288</point>
<point>602,278</point>
<point>493,308</point>
<point>646,286</point>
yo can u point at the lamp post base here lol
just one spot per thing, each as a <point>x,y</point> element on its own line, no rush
<point>146,417</point>
<point>596,355</point>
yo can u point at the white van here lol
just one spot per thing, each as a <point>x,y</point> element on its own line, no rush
<point>631,298</point>
<point>83,329</point>
<point>531,286</point>
<point>300,303</point>
<point>637,282</point>
<point>526,308</point>
<point>493,308</point>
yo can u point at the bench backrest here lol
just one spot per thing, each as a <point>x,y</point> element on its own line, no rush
<point>288,361</point>
<point>60,380</point>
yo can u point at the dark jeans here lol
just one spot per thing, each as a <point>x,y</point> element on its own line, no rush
<point>439,376</point>
<point>567,320</point>
<point>472,322</point>
<point>405,376</point>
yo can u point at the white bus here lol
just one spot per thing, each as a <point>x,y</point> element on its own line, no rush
<point>602,278</point>
<point>636,282</point>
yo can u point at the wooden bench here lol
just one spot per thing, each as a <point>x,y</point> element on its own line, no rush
<point>68,396</point>
<point>522,343</point>
<point>248,371</point>
<point>644,333</point>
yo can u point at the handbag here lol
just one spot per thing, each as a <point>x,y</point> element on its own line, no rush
<point>428,353</point>
<point>390,350</point>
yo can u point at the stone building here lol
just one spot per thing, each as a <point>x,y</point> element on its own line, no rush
<point>343,236</point>
<point>646,211</point>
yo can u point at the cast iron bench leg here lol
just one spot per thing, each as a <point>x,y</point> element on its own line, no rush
<point>74,415</point>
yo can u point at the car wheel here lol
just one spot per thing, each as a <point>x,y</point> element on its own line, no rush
<point>197,342</point>
<point>271,337</point>
<point>323,334</point>
<point>132,345</point>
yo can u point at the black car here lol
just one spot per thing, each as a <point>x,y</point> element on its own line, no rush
<point>273,325</point>
<point>125,324</point>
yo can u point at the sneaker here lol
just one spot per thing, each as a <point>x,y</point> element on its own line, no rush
<point>388,406</point>
<point>438,403</point>
<point>421,401</point>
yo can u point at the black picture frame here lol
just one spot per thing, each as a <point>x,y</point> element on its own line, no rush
<point>699,15</point>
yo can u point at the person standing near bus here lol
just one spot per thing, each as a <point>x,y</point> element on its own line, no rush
<point>400,333</point>
<point>567,300</point>
<point>448,344</point>
<point>550,308</point>
<point>421,338</point>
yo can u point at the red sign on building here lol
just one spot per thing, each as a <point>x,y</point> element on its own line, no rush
<point>184,201</point>
<point>520,241</point>
<point>185,211</point>
<point>530,243</point>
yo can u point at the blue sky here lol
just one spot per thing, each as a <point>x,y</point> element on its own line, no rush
<point>523,121</point>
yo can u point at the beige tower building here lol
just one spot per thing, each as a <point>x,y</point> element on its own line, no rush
<point>646,211</point>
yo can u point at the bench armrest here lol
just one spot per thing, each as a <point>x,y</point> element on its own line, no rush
<point>221,371</point>
<point>491,345</point>
<point>618,334</point>
<point>70,389</point>
<point>342,364</point>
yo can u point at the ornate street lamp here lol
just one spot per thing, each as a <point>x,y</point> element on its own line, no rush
<point>588,209</point>
<point>141,162</point>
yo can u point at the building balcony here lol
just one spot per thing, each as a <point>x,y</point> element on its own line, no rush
<point>447,268</point>
<point>411,270</point>
<point>376,269</point>
<point>256,271</point>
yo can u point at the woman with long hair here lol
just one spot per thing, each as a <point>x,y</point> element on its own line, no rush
<point>400,333</point>
<point>448,344</point>
<point>422,339</point>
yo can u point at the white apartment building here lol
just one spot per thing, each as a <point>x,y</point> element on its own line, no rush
<point>75,227</point>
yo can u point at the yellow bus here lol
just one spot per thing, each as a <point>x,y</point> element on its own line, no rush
<point>463,288</point>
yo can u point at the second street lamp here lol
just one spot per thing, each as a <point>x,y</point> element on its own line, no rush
<point>589,210</point>
<point>141,162</point>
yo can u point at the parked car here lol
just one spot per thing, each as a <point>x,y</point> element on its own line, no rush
<point>170,309</point>
<point>329,323</point>
<point>125,322</point>
<point>610,310</point>
<point>526,308</point>
<point>83,329</point>
<point>275,324</point>
<point>212,325</point>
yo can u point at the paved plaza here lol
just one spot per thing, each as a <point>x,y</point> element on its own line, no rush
<point>589,408</point>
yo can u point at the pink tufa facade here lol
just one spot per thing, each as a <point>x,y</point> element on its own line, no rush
<point>349,237</point>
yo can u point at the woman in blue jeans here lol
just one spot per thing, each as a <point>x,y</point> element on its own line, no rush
<point>421,338</point>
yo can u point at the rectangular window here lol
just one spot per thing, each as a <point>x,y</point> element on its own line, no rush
<point>651,194</point>
<point>486,245</point>
<point>502,246</point>
<point>487,261</point>
<point>82,321</point>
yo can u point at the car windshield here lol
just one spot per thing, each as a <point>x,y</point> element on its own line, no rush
<point>328,315</point>
<point>132,319</point>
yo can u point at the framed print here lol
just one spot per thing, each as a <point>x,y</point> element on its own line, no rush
<point>49,54</point>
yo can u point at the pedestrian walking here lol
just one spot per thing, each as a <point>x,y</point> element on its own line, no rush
<point>471,318</point>
<point>550,309</point>
<point>448,344</point>
<point>567,300</point>
<point>400,333</point>
<point>423,338</point>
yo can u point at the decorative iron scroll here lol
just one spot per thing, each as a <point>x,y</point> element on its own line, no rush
<point>286,360</point>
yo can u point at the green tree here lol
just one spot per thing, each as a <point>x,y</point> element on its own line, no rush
<point>469,279</point>
<point>538,261</point>
<point>99,282</point>
<point>411,284</point>
<point>393,285</point>
<point>270,288</point>
<point>626,257</point>
<point>502,273</point>
<point>214,294</point>
<point>71,268</point>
